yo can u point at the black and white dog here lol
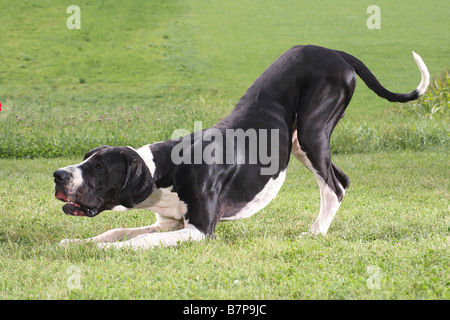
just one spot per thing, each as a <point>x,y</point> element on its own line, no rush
<point>225,172</point>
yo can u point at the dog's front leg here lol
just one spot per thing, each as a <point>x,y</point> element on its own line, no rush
<point>145,241</point>
<point>162,224</point>
<point>115,235</point>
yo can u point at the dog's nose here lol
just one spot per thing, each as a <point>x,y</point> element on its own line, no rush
<point>61,175</point>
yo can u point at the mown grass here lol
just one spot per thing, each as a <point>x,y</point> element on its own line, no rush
<point>33,130</point>
<point>418,125</point>
<point>161,65</point>
<point>137,70</point>
<point>391,218</point>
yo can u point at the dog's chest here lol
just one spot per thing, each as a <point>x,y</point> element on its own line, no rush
<point>164,202</point>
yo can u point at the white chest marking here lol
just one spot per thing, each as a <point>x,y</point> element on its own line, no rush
<point>262,199</point>
<point>162,201</point>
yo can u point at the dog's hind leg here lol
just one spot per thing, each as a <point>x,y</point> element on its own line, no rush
<point>316,119</point>
<point>329,200</point>
<point>329,205</point>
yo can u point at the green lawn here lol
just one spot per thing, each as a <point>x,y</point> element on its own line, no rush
<point>138,69</point>
<point>391,219</point>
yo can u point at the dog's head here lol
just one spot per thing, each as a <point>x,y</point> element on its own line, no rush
<point>108,177</point>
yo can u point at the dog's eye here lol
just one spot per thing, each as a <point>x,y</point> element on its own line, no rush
<point>98,166</point>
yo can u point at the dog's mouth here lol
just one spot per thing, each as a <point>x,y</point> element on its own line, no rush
<point>74,209</point>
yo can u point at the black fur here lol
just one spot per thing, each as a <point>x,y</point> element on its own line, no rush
<point>308,87</point>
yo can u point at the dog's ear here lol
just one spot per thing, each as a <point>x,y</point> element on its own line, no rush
<point>139,183</point>
<point>90,153</point>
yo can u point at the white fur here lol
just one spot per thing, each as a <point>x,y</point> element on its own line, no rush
<point>329,203</point>
<point>119,208</point>
<point>262,199</point>
<point>149,240</point>
<point>146,154</point>
<point>298,152</point>
<point>162,201</point>
<point>169,210</point>
<point>166,203</point>
<point>425,81</point>
<point>77,176</point>
<point>144,237</point>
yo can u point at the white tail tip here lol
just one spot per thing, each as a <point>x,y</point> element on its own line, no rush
<point>423,85</point>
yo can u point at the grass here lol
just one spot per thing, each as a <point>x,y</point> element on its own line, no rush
<point>391,218</point>
<point>435,102</point>
<point>67,91</point>
<point>137,70</point>
<point>33,130</point>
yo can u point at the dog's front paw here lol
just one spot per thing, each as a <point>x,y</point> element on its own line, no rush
<point>66,242</point>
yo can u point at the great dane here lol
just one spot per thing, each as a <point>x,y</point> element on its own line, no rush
<point>234,169</point>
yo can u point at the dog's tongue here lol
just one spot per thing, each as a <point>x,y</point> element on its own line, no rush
<point>61,196</point>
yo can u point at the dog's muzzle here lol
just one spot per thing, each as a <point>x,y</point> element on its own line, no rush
<point>71,207</point>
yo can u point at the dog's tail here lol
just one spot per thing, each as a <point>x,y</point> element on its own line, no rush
<point>371,81</point>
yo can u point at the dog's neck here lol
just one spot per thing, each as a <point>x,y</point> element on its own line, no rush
<point>147,156</point>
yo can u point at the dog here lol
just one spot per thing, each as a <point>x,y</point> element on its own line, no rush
<point>193,182</point>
